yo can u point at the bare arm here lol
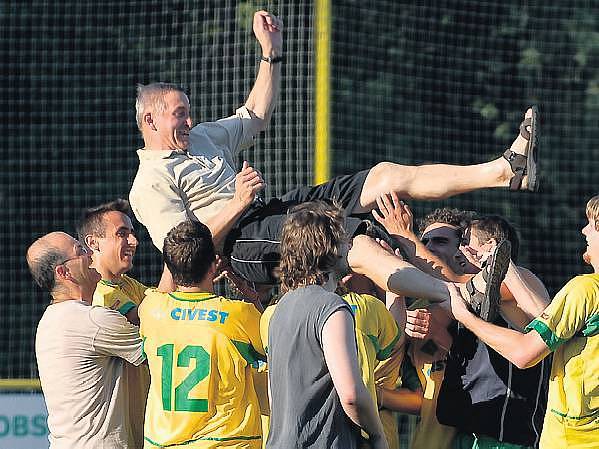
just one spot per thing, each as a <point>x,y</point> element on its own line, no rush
<point>524,296</point>
<point>248,182</point>
<point>340,353</point>
<point>397,218</point>
<point>263,96</point>
<point>523,350</point>
<point>401,400</point>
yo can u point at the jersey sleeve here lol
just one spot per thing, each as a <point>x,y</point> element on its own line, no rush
<point>137,290</point>
<point>388,332</point>
<point>116,336</point>
<point>568,313</point>
<point>264,322</point>
<point>387,372</point>
<point>113,298</point>
<point>253,331</point>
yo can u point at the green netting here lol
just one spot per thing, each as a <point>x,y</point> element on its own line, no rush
<point>448,81</point>
<point>70,70</point>
<point>443,81</point>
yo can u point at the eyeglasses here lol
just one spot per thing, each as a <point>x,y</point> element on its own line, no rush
<point>80,250</point>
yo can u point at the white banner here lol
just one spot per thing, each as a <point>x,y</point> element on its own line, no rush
<point>23,421</point>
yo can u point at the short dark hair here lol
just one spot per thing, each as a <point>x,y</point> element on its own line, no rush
<point>453,217</point>
<point>498,228</point>
<point>42,267</point>
<point>188,252</point>
<point>92,223</point>
<point>311,242</point>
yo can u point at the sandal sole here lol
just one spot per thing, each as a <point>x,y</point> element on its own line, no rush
<point>489,308</point>
<point>532,182</point>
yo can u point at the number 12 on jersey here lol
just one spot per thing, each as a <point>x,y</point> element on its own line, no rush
<point>201,370</point>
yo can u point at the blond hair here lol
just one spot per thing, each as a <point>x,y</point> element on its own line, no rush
<point>592,210</point>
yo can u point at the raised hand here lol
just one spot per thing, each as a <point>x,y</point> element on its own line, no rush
<point>248,182</point>
<point>269,32</point>
<point>394,215</point>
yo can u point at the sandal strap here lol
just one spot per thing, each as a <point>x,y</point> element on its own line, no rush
<point>517,163</point>
<point>470,288</point>
<point>523,131</point>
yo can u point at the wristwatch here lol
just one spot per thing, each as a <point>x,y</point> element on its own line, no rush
<point>270,60</point>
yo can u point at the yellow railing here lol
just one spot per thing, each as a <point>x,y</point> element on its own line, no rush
<point>322,164</point>
<point>19,384</point>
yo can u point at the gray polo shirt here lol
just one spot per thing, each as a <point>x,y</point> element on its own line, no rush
<point>175,185</point>
<point>306,410</point>
<point>81,351</point>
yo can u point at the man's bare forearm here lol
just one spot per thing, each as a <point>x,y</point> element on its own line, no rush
<point>223,222</point>
<point>265,93</point>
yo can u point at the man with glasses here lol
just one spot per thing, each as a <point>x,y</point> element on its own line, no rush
<point>80,349</point>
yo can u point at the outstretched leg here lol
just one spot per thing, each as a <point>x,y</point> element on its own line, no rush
<point>438,181</point>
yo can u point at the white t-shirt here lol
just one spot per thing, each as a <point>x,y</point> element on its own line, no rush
<point>81,350</point>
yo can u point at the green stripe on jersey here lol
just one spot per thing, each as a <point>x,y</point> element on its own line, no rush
<point>551,340</point>
<point>248,353</point>
<point>243,438</point>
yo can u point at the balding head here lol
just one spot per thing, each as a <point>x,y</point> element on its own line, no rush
<point>45,254</point>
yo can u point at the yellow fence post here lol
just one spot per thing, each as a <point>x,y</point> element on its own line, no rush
<point>322,164</point>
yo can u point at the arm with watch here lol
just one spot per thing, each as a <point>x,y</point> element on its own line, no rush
<point>263,96</point>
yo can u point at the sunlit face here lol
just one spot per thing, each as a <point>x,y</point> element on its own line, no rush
<point>78,262</point>
<point>443,240</point>
<point>591,254</point>
<point>478,246</point>
<point>113,254</point>
<point>174,123</point>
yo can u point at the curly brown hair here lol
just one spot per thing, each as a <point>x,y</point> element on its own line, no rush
<point>311,244</point>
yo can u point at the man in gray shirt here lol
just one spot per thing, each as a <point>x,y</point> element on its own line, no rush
<point>80,350</point>
<point>318,398</point>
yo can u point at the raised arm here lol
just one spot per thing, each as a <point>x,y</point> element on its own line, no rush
<point>263,96</point>
<point>523,350</point>
<point>396,217</point>
<point>524,297</point>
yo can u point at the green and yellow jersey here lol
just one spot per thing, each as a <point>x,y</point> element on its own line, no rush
<point>201,349</point>
<point>123,296</point>
<point>387,375</point>
<point>570,328</point>
<point>376,334</point>
<point>429,360</point>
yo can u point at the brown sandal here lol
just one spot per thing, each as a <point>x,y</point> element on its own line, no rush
<point>486,304</point>
<point>525,165</point>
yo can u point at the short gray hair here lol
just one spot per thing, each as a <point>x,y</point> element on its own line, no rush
<point>152,95</point>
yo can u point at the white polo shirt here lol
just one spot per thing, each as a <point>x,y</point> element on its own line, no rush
<point>81,350</point>
<point>175,185</point>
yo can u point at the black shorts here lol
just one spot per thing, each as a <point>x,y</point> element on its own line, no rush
<point>253,243</point>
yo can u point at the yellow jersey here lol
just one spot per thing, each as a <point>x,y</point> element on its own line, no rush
<point>429,360</point>
<point>387,375</point>
<point>376,334</point>
<point>570,328</point>
<point>124,295</point>
<point>201,349</point>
